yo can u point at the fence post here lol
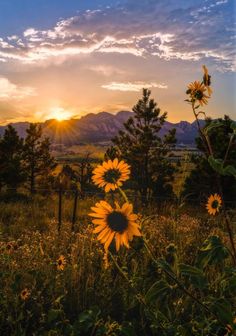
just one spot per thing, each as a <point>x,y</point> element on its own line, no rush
<point>74,211</point>
<point>59,208</point>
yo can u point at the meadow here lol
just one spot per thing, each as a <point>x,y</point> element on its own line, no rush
<point>90,295</point>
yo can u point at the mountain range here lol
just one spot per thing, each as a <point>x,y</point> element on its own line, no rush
<point>100,127</point>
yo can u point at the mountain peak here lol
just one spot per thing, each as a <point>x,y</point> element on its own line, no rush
<point>102,126</point>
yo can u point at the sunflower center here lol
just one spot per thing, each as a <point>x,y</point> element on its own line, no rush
<point>59,262</point>
<point>198,94</point>
<point>215,204</point>
<point>117,221</point>
<point>112,175</point>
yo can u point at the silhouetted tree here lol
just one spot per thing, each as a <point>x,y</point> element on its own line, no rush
<point>202,179</point>
<point>140,145</point>
<point>11,170</point>
<point>37,157</point>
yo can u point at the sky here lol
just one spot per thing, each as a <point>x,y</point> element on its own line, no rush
<point>64,59</point>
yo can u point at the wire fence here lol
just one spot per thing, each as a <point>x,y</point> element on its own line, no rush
<point>134,197</point>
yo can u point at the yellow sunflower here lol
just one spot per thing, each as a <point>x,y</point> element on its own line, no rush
<point>119,223</point>
<point>25,293</point>
<point>213,204</point>
<point>207,80</point>
<point>111,174</point>
<point>197,92</point>
<point>61,261</point>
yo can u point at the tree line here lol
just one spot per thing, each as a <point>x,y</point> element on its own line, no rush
<point>29,161</point>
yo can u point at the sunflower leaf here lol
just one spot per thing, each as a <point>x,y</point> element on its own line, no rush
<point>212,252</point>
<point>216,164</point>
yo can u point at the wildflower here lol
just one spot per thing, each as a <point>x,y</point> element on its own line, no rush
<point>25,293</point>
<point>197,92</point>
<point>213,204</point>
<point>119,223</point>
<point>61,261</point>
<point>207,80</point>
<point>111,174</point>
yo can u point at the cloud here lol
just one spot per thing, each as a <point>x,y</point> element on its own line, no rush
<point>135,87</point>
<point>10,90</point>
<point>179,30</point>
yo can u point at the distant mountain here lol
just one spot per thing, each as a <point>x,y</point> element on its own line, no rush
<point>101,127</point>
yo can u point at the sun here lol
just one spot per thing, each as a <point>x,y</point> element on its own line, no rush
<point>59,113</point>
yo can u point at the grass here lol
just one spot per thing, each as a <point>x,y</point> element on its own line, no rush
<point>86,298</point>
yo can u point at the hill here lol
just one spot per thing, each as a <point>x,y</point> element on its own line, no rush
<point>100,127</point>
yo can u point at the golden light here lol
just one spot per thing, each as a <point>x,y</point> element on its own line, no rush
<point>59,113</point>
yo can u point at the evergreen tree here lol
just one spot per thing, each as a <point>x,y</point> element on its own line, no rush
<point>37,158</point>
<point>11,170</point>
<point>140,145</point>
<point>202,179</point>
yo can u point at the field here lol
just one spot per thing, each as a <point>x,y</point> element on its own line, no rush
<point>128,294</point>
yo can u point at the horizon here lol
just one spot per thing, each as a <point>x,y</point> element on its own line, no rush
<point>67,60</point>
<point>79,117</point>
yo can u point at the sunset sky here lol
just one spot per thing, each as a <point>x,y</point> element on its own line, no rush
<point>67,58</point>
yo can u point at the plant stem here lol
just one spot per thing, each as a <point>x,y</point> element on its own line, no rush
<point>174,278</point>
<point>228,148</point>
<point>123,194</point>
<point>208,147</point>
<point>138,295</point>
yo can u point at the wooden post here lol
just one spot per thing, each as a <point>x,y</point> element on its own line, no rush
<point>59,208</point>
<point>74,211</point>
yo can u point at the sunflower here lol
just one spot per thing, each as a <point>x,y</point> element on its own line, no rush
<point>196,90</point>
<point>207,80</point>
<point>119,223</point>
<point>25,293</point>
<point>111,174</point>
<point>61,261</point>
<point>213,204</point>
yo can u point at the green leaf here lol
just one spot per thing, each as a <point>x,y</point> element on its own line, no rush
<point>53,314</point>
<point>212,252</point>
<point>233,126</point>
<point>223,309</point>
<point>157,291</point>
<point>216,164</point>
<point>195,274</point>
<point>230,170</point>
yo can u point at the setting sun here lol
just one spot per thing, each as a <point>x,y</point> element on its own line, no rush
<point>59,113</point>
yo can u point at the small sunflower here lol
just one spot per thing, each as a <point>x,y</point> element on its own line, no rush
<point>207,80</point>
<point>61,261</point>
<point>197,92</point>
<point>25,294</point>
<point>213,204</point>
<point>119,223</point>
<point>111,174</point>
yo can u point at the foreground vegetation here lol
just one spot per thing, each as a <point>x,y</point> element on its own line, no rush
<point>89,297</point>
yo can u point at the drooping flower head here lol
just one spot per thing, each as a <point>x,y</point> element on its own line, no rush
<point>111,174</point>
<point>61,262</point>
<point>207,80</point>
<point>119,223</point>
<point>213,204</point>
<point>25,293</point>
<point>197,92</point>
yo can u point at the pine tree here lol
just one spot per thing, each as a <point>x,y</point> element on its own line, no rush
<point>140,145</point>
<point>37,157</point>
<point>11,170</point>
